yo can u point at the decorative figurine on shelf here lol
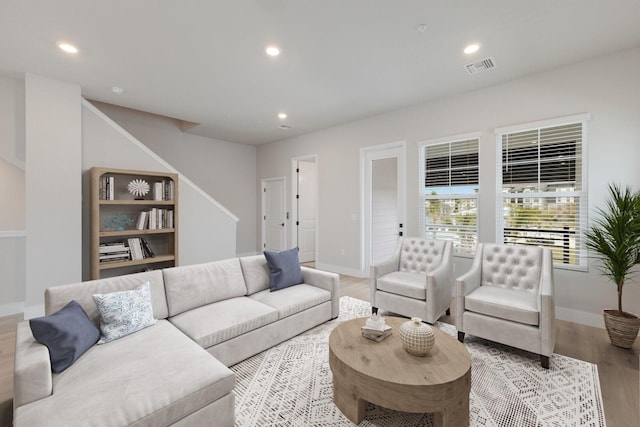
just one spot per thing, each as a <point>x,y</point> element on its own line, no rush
<point>119,222</point>
<point>139,188</point>
<point>416,337</point>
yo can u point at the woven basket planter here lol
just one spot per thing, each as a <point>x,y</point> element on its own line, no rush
<point>622,330</point>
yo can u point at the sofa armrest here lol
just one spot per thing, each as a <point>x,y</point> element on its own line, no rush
<point>465,284</point>
<point>32,377</point>
<point>440,285</point>
<point>547,305</point>
<point>378,270</point>
<point>327,281</point>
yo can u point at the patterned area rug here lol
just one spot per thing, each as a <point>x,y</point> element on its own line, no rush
<point>291,385</point>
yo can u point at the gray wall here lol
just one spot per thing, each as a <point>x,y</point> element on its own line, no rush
<point>12,193</point>
<point>606,87</point>
<point>224,170</point>
<point>206,232</point>
<point>53,188</point>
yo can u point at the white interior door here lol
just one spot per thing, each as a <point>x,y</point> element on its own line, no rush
<point>385,208</point>
<point>383,198</point>
<point>273,214</point>
<point>307,208</point>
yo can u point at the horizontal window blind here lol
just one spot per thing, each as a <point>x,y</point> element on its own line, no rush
<point>542,191</point>
<point>449,188</point>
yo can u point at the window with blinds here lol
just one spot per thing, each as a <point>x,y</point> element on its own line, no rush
<point>541,190</point>
<point>449,187</point>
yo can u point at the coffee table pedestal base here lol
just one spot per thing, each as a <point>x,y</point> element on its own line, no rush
<point>353,406</point>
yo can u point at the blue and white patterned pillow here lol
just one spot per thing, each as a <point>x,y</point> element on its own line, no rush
<point>123,313</point>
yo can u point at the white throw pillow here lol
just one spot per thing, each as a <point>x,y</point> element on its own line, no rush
<point>123,313</point>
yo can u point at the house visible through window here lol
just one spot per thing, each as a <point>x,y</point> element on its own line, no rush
<point>449,192</point>
<point>541,189</point>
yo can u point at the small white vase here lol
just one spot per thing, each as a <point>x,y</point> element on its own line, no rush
<point>416,337</point>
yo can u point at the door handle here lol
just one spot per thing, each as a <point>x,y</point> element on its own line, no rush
<point>282,224</point>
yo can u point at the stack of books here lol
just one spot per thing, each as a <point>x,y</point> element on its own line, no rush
<point>139,248</point>
<point>376,329</point>
<point>111,252</point>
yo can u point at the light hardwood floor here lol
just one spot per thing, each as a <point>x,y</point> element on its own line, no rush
<point>617,368</point>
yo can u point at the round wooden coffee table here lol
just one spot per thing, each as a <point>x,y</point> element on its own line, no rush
<point>383,373</point>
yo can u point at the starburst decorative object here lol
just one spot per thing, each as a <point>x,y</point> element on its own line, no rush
<point>138,187</point>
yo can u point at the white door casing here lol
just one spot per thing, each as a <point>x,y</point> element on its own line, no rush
<point>394,150</point>
<point>274,214</point>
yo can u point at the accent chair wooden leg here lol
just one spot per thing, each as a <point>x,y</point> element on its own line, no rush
<point>374,310</point>
<point>544,361</point>
<point>448,312</point>
<point>461,336</point>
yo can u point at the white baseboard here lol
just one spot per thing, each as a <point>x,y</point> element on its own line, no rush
<point>577,316</point>
<point>340,270</point>
<point>11,308</point>
<point>33,311</point>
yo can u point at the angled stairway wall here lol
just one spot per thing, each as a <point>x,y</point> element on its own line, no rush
<point>207,229</point>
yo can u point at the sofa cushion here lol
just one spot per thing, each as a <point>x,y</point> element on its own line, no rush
<point>412,285</point>
<point>517,306</point>
<point>125,312</point>
<point>193,286</point>
<point>284,269</point>
<point>67,333</point>
<point>220,321</point>
<point>256,273</point>
<point>57,297</point>
<point>292,300</point>
<point>154,377</point>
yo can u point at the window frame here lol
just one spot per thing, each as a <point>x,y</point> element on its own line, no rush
<point>422,197</point>
<point>582,194</point>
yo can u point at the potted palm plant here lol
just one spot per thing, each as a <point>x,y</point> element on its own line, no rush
<point>614,239</point>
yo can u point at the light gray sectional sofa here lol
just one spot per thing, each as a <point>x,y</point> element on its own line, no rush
<point>165,374</point>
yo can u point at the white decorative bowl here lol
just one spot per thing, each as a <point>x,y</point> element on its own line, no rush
<point>416,337</point>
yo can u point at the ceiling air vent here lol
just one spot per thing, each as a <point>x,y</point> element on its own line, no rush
<point>285,127</point>
<point>477,67</point>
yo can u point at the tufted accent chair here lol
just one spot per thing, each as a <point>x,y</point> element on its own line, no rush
<point>508,297</point>
<point>417,281</point>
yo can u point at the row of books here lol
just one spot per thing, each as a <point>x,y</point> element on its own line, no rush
<point>134,248</point>
<point>155,219</point>
<point>107,187</point>
<point>164,190</point>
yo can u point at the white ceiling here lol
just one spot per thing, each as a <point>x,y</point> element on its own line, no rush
<point>203,61</point>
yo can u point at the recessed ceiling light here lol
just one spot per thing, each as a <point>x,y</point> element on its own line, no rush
<point>472,48</point>
<point>272,51</point>
<point>422,28</point>
<point>282,116</point>
<point>69,48</point>
<point>117,90</point>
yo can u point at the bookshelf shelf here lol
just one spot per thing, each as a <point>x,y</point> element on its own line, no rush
<point>132,263</point>
<point>128,233</point>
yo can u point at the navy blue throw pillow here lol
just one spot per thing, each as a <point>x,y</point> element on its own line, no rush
<point>67,333</point>
<point>284,269</point>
